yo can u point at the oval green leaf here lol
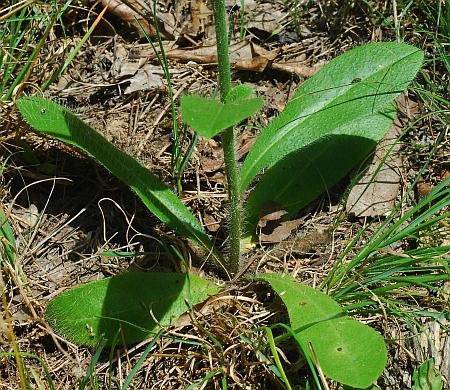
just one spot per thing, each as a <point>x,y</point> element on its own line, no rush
<point>136,304</point>
<point>335,118</point>
<point>347,351</point>
<point>54,120</point>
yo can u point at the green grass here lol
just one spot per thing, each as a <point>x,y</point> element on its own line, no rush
<point>28,29</point>
<point>377,265</point>
<point>26,383</point>
<point>178,161</point>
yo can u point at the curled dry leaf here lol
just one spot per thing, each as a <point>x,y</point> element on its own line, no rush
<point>130,10</point>
<point>257,60</point>
<point>244,55</point>
<point>272,228</point>
<point>129,14</point>
<point>272,216</point>
<point>243,50</point>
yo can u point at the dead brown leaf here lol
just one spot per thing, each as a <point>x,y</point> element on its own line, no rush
<point>376,192</point>
<point>281,232</point>
<point>140,75</point>
<point>297,68</point>
<point>272,228</point>
<point>258,60</point>
<point>273,216</point>
<point>266,18</point>
<point>208,53</point>
<point>130,10</point>
<point>244,55</point>
<point>210,222</point>
<point>130,15</point>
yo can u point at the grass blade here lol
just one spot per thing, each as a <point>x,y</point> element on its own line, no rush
<point>141,360</point>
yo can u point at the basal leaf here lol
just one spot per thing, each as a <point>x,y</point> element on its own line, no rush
<point>56,121</point>
<point>361,82</point>
<point>136,303</point>
<point>209,117</point>
<point>346,350</point>
<point>335,118</point>
<point>303,175</point>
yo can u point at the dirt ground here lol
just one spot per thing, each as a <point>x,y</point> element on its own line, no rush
<point>67,212</point>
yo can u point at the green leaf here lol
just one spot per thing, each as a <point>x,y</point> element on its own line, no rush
<point>8,240</point>
<point>239,93</point>
<point>54,120</point>
<point>346,350</point>
<point>426,377</point>
<point>136,303</point>
<point>335,119</point>
<point>208,116</point>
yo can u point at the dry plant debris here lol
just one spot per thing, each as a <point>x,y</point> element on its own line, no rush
<point>375,194</point>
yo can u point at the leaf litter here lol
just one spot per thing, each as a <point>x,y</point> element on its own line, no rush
<point>112,219</point>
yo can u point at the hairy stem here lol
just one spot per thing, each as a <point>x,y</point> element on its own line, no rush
<point>228,138</point>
